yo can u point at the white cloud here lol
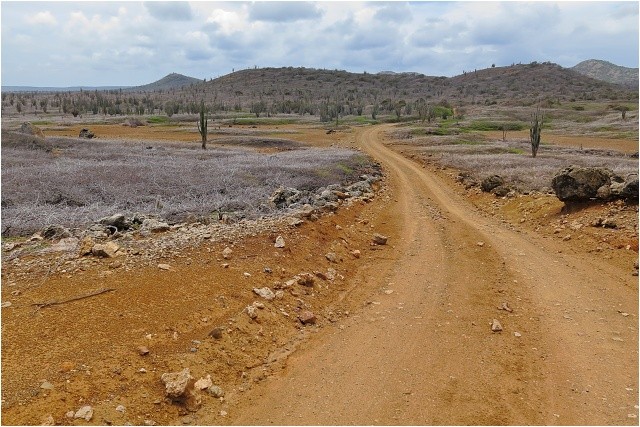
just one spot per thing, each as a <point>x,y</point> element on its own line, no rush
<point>42,18</point>
<point>169,10</point>
<point>203,39</point>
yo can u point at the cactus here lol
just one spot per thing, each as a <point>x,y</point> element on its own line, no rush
<point>202,125</point>
<point>534,132</point>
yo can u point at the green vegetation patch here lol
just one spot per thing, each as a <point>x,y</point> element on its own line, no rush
<point>263,121</point>
<point>486,125</point>
<point>158,120</point>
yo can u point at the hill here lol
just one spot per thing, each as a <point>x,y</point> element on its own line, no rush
<point>608,72</point>
<point>170,81</point>
<point>521,84</point>
<point>328,93</point>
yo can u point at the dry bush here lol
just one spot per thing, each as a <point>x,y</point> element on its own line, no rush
<point>512,159</point>
<point>81,181</point>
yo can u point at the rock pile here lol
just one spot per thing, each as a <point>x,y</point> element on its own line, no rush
<point>86,133</point>
<point>580,184</point>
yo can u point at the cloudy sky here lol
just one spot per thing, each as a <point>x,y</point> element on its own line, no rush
<point>133,43</point>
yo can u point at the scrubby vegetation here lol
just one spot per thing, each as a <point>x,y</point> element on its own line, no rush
<point>72,183</point>
<point>481,156</point>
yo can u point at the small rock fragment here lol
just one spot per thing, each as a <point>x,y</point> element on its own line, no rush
<point>176,383</point>
<point>252,311</point>
<point>203,383</point>
<point>143,351</point>
<point>216,333</point>
<point>265,293</point>
<point>69,414</point>
<point>216,391</point>
<point>120,408</point>
<point>226,253</point>
<point>331,256</point>
<point>279,242</point>
<point>305,279</point>
<point>379,239</point>
<point>165,267</point>
<point>355,253</point>
<point>481,244</point>
<point>86,413</point>
<point>46,385</point>
<point>505,307</point>
<point>307,318</point>
<point>496,326</point>
<point>517,334</point>
<point>5,304</point>
<point>47,420</point>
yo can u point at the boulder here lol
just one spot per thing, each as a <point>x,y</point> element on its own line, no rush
<point>491,182</point>
<point>107,250</point>
<point>501,191</point>
<point>118,221</point>
<point>630,190</point>
<point>86,133</point>
<point>576,183</point>
<point>55,232</point>
<point>86,246</point>
<point>154,226</point>
<point>284,196</point>
<point>30,129</point>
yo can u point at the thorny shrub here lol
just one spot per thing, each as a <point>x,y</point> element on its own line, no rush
<point>73,183</point>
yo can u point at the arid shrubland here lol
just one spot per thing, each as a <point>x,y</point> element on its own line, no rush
<point>73,183</point>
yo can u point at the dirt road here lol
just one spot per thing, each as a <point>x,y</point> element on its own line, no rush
<point>422,350</point>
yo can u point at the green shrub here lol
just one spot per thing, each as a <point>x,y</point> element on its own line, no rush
<point>158,119</point>
<point>485,125</point>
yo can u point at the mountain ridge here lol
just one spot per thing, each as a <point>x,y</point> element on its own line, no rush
<point>608,72</point>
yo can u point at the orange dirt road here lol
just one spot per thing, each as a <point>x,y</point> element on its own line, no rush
<point>422,351</point>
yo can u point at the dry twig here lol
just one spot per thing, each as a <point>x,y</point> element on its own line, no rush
<point>92,294</point>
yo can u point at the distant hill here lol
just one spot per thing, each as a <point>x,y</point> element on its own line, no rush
<point>171,81</point>
<point>518,84</point>
<point>608,72</point>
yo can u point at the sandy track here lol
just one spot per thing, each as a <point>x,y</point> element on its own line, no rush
<point>425,353</point>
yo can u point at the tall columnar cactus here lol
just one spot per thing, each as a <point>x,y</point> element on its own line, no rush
<point>202,125</point>
<point>534,132</point>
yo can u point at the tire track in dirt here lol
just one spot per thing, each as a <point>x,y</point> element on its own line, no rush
<point>425,354</point>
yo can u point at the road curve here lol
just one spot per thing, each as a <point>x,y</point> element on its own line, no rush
<point>425,354</point>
